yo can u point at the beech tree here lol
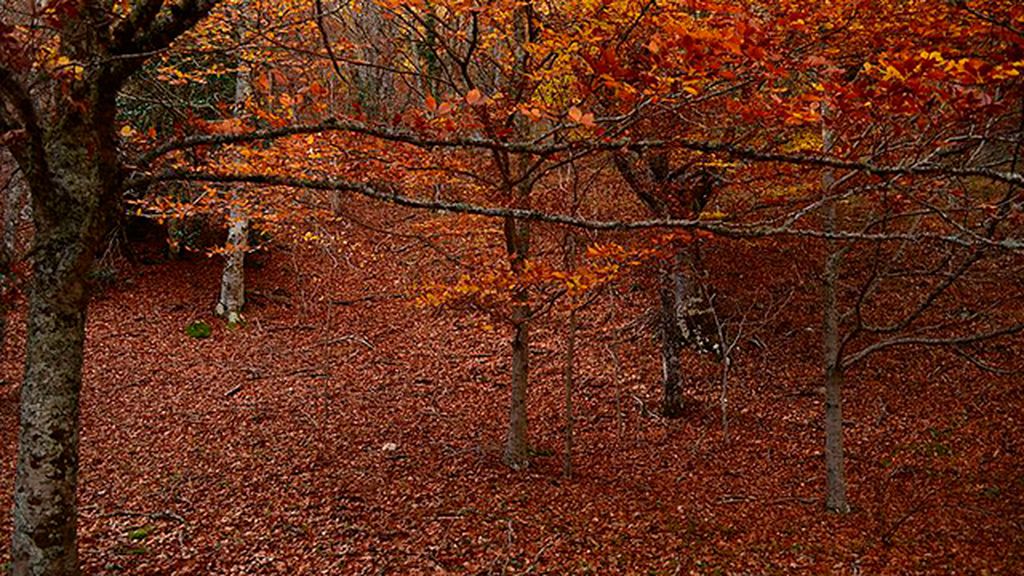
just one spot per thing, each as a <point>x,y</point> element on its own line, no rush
<point>61,67</point>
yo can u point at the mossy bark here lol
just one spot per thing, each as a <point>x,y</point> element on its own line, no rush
<point>74,184</point>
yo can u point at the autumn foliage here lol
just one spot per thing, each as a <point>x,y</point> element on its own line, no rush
<point>586,286</point>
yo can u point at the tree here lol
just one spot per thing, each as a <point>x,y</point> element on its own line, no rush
<point>59,118</point>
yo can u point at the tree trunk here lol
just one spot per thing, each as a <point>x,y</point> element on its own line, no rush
<point>517,447</point>
<point>47,476</point>
<point>671,346</point>
<point>569,373</point>
<point>232,283</point>
<point>835,477</point>
<point>649,177</point>
<point>8,249</point>
<point>74,186</point>
<point>569,378</point>
<point>12,214</point>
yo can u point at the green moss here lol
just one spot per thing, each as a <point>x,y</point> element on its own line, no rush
<point>199,329</point>
<point>141,533</point>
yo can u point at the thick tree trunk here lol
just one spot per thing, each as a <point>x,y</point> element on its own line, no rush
<point>47,474</point>
<point>12,214</point>
<point>8,248</point>
<point>74,188</point>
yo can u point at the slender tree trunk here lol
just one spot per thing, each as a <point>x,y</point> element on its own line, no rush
<point>232,284</point>
<point>568,376</point>
<point>569,381</point>
<point>672,341</point>
<point>648,177</point>
<point>517,245</point>
<point>835,476</point>
<point>517,444</point>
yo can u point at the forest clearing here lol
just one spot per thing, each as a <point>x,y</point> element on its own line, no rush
<point>512,287</point>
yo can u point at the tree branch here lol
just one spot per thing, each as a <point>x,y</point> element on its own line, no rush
<point>719,228</point>
<point>921,341</point>
<point>544,149</point>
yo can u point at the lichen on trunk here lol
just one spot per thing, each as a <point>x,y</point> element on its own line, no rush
<point>74,185</point>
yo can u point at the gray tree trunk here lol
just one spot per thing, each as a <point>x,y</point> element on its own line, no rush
<point>835,476</point>
<point>67,149</point>
<point>672,343</point>
<point>232,284</point>
<point>650,178</point>
<point>74,187</point>
<point>517,457</point>
<point>517,245</point>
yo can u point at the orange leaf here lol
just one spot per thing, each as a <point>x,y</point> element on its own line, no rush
<point>474,97</point>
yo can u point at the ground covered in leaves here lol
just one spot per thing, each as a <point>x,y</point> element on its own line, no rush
<point>345,430</point>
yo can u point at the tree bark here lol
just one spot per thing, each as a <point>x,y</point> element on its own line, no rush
<point>517,234</point>
<point>835,476</point>
<point>517,245</point>
<point>232,283</point>
<point>61,132</point>
<point>569,372</point>
<point>74,185</point>
<point>657,187</point>
<point>8,248</point>
<point>672,341</point>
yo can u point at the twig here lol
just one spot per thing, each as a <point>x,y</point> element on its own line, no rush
<point>350,338</point>
<point>368,298</point>
<point>163,515</point>
<point>536,558</point>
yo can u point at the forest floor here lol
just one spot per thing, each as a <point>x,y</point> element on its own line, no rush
<point>344,430</point>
